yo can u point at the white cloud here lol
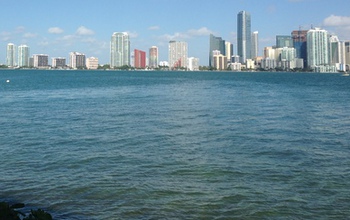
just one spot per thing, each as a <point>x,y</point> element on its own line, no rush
<point>203,31</point>
<point>153,28</point>
<point>84,31</point>
<point>55,30</point>
<point>334,21</point>
<point>29,35</point>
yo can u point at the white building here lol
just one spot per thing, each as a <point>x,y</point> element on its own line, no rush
<point>317,48</point>
<point>120,49</point>
<point>23,56</point>
<point>193,64</point>
<point>77,60</point>
<point>92,63</point>
<point>11,55</point>
<point>178,54</point>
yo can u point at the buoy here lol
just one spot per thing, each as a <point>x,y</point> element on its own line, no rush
<point>8,81</point>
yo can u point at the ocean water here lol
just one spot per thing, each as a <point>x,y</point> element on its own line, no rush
<point>176,145</point>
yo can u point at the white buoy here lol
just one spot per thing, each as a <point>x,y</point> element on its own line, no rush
<point>8,81</point>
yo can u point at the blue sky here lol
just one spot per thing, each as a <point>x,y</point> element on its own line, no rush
<point>59,27</point>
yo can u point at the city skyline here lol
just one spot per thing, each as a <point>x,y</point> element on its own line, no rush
<point>87,27</point>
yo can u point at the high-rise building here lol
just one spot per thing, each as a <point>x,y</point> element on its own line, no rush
<point>23,56</point>
<point>244,36</point>
<point>178,54</point>
<point>92,63</point>
<point>120,50</point>
<point>284,41</point>
<point>255,45</point>
<point>58,62</point>
<point>216,43</point>
<point>336,51</point>
<point>77,60</point>
<point>317,48</point>
<point>40,60</point>
<point>11,55</point>
<point>299,38</point>
<point>139,59</point>
<point>220,62</point>
<point>153,57</point>
<point>347,55</point>
<point>228,50</point>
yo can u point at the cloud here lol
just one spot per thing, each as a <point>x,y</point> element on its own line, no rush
<point>29,35</point>
<point>154,28</point>
<point>84,31</point>
<point>203,31</point>
<point>335,21</point>
<point>132,34</point>
<point>55,30</point>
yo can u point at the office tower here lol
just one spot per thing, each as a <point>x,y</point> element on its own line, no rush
<point>284,41</point>
<point>120,49</point>
<point>178,54</point>
<point>299,38</point>
<point>139,59</point>
<point>58,62</point>
<point>286,54</point>
<point>244,36</point>
<point>11,55</point>
<point>255,45</point>
<point>216,43</point>
<point>40,60</point>
<point>77,60</point>
<point>153,57</point>
<point>228,50</point>
<point>92,63</point>
<point>317,49</point>
<point>23,56</point>
<point>193,64</point>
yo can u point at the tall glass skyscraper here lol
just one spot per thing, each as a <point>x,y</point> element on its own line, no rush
<point>120,49</point>
<point>216,43</point>
<point>11,55</point>
<point>300,44</point>
<point>255,45</point>
<point>244,36</point>
<point>23,56</point>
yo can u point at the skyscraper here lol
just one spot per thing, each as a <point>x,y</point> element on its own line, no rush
<point>255,45</point>
<point>299,38</point>
<point>228,50</point>
<point>317,49</point>
<point>23,56</point>
<point>153,57</point>
<point>178,54</point>
<point>244,36</point>
<point>11,55</point>
<point>139,59</point>
<point>120,49</point>
<point>216,43</point>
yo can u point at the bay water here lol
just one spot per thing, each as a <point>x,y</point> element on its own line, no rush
<point>176,145</point>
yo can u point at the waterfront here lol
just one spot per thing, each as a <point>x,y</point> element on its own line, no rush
<point>176,145</point>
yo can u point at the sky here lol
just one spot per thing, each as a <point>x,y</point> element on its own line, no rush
<point>59,27</point>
